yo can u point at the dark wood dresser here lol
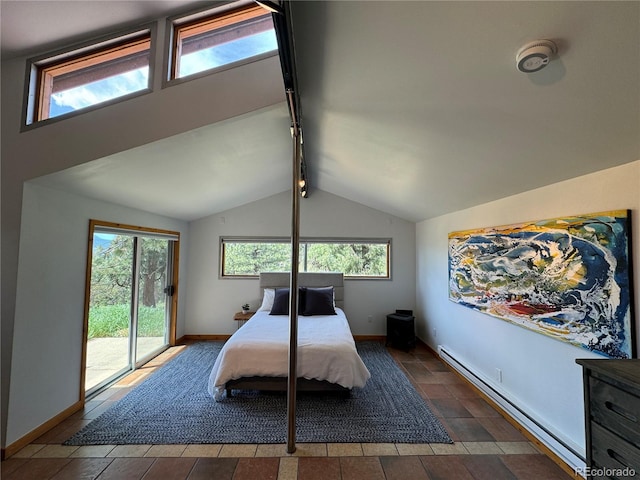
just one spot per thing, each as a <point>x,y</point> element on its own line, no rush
<point>612,417</point>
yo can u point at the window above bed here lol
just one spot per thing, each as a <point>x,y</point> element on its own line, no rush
<point>246,257</point>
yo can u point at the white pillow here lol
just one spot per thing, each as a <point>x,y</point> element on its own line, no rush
<point>267,299</point>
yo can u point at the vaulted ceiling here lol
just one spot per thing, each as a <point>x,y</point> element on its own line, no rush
<point>415,108</point>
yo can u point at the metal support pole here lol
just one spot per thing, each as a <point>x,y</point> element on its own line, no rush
<point>293,289</point>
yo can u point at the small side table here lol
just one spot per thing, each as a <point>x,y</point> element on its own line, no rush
<point>242,318</point>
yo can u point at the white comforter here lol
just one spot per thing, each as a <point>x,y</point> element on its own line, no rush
<point>326,351</point>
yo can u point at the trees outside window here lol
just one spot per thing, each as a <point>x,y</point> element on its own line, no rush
<point>356,259</point>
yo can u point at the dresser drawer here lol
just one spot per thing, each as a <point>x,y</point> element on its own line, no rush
<point>616,410</point>
<point>611,452</point>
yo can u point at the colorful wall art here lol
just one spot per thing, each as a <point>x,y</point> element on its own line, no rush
<point>569,278</point>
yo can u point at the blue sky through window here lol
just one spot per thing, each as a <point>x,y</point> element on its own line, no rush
<point>99,91</point>
<point>226,53</point>
<point>102,240</point>
<point>106,89</point>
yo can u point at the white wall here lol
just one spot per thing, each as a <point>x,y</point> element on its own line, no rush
<point>539,373</point>
<point>211,301</point>
<point>47,353</point>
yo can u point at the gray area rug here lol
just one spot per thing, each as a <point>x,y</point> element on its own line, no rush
<point>173,407</point>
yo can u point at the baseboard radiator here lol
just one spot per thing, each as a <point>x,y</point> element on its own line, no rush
<point>565,452</point>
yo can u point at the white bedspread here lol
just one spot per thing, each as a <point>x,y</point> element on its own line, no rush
<point>326,351</point>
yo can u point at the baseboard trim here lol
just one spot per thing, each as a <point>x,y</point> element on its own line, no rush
<point>370,338</point>
<point>22,442</point>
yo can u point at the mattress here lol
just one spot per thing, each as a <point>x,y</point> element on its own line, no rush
<point>326,351</point>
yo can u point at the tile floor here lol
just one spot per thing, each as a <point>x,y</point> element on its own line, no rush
<point>486,446</point>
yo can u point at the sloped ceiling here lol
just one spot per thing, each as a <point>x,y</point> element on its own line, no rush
<point>232,162</point>
<point>30,25</point>
<point>417,109</point>
<point>413,108</point>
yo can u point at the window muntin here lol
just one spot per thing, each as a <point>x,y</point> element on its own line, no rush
<point>221,39</point>
<point>356,258</point>
<point>89,76</point>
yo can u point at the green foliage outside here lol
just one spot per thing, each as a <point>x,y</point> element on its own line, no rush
<point>368,260</point>
<point>111,274</point>
<point>113,321</point>
<point>253,258</point>
<point>112,266</point>
<point>352,259</point>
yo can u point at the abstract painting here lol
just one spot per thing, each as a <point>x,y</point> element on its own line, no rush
<point>569,278</point>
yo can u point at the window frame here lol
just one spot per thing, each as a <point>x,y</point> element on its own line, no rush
<point>220,15</point>
<point>304,240</point>
<point>41,69</point>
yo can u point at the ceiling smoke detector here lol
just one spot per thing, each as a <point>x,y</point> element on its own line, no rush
<point>535,56</point>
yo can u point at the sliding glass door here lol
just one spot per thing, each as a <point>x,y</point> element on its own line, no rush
<point>130,301</point>
<point>153,302</point>
<point>109,309</point>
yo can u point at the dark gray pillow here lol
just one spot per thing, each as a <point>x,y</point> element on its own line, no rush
<point>319,301</point>
<point>281,301</point>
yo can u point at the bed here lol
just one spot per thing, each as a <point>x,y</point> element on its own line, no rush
<point>256,357</point>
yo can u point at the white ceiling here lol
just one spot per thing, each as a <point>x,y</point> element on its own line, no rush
<point>28,25</point>
<point>414,108</point>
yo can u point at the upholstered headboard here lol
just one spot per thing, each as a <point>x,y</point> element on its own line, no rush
<point>306,279</point>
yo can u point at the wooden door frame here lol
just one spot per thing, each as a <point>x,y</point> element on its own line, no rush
<point>87,290</point>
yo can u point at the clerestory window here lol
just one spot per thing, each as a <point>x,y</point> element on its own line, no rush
<point>88,76</point>
<point>120,66</point>
<point>203,42</point>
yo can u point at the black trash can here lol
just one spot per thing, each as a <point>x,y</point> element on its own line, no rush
<point>401,332</point>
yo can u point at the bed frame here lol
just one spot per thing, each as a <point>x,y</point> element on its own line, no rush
<point>279,384</point>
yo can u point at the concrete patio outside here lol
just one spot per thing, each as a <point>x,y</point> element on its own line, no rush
<point>106,356</point>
